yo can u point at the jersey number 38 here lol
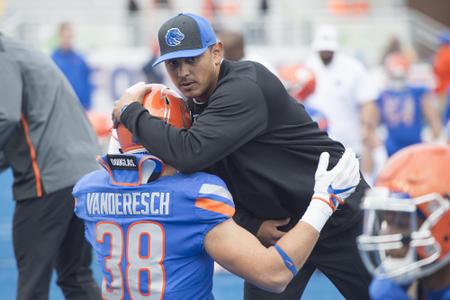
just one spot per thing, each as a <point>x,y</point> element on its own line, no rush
<point>140,237</point>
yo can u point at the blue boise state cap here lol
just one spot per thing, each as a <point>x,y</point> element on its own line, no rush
<point>185,35</point>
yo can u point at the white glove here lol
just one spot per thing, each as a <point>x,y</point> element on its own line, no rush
<point>331,187</point>
<point>341,180</point>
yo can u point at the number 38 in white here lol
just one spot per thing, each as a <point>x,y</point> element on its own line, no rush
<point>136,263</point>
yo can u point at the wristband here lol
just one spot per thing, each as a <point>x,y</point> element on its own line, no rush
<point>287,260</point>
<point>318,212</point>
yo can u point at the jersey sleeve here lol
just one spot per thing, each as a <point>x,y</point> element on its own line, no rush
<point>213,202</point>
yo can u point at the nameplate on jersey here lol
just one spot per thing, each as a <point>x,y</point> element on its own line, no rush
<point>122,162</point>
<point>129,204</point>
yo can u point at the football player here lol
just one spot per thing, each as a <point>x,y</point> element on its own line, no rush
<point>405,108</point>
<point>407,226</point>
<point>156,231</point>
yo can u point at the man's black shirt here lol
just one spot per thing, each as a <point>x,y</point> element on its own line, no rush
<point>254,136</point>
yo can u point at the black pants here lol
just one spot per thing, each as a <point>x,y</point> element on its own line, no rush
<point>338,258</point>
<point>46,236</point>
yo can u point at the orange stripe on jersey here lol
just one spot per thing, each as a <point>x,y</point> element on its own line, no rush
<point>215,206</point>
<point>37,173</point>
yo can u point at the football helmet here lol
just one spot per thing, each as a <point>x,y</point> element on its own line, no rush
<point>299,81</point>
<point>406,232</point>
<point>101,123</point>
<point>396,65</point>
<point>163,103</point>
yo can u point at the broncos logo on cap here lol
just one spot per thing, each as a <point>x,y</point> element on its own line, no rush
<point>174,37</point>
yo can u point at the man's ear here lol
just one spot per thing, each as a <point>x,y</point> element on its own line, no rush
<point>217,52</point>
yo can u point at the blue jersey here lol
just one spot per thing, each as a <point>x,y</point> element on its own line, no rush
<point>149,237</point>
<point>387,289</point>
<point>401,113</point>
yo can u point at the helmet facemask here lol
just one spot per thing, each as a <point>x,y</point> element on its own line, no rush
<point>401,235</point>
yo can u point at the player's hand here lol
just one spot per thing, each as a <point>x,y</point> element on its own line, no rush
<point>331,188</point>
<point>132,94</point>
<point>268,233</point>
<point>341,180</point>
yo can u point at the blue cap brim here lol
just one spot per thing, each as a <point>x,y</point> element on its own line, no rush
<point>179,54</point>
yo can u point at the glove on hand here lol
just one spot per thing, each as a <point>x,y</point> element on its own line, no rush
<point>338,183</point>
<point>331,187</point>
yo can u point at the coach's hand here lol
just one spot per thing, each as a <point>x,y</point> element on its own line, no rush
<point>132,94</point>
<point>268,234</point>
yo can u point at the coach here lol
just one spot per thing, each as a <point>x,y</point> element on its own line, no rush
<point>47,141</point>
<point>249,131</point>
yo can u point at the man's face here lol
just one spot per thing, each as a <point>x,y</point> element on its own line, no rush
<point>326,57</point>
<point>66,37</point>
<point>196,77</point>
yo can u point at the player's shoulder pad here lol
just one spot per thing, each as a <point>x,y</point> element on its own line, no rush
<point>212,195</point>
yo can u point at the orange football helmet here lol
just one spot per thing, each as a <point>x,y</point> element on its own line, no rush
<point>162,103</point>
<point>407,215</point>
<point>101,122</point>
<point>299,81</point>
<point>396,65</point>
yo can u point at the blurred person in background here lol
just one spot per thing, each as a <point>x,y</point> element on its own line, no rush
<point>169,225</point>
<point>152,74</point>
<point>250,132</point>
<point>48,143</point>
<point>441,68</point>
<point>393,46</point>
<point>346,95</point>
<point>405,243</point>
<point>233,45</point>
<point>234,49</point>
<point>344,91</point>
<point>300,82</point>
<point>73,65</point>
<point>404,109</point>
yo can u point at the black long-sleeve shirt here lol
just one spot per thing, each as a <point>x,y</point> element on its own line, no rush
<point>254,136</point>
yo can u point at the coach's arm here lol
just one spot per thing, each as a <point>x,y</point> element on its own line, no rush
<point>11,97</point>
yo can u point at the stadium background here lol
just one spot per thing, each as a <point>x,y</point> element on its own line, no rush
<point>117,43</point>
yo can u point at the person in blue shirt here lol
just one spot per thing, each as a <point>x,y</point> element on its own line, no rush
<point>73,65</point>
<point>405,242</point>
<point>405,108</point>
<point>157,232</point>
